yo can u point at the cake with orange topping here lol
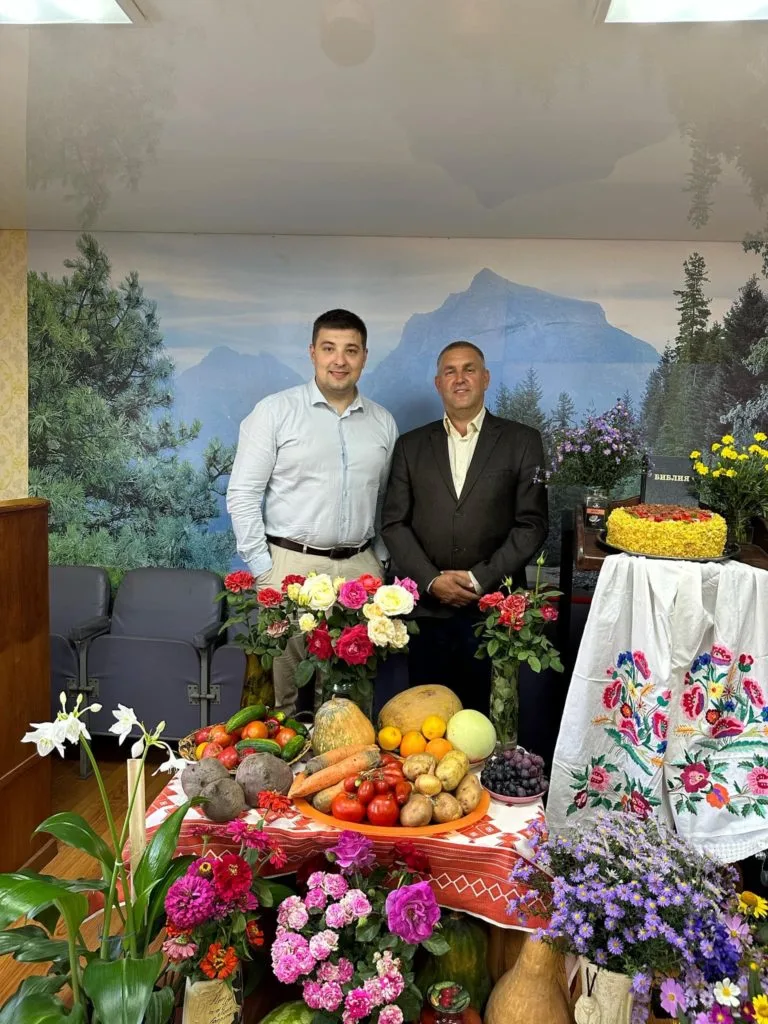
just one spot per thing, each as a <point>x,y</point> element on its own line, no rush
<point>667,531</point>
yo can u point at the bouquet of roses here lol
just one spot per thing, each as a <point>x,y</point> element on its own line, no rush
<point>212,911</point>
<point>350,625</point>
<point>633,897</point>
<point>263,613</point>
<point>351,940</point>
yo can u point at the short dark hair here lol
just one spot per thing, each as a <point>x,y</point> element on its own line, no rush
<point>461,344</point>
<point>340,320</point>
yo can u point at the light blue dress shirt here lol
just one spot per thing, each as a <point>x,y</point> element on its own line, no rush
<point>305,472</point>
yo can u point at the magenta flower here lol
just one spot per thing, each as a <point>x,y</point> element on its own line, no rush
<point>412,912</point>
<point>641,664</point>
<point>659,723</point>
<point>727,726</point>
<point>721,655</point>
<point>323,944</point>
<point>757,781</point>
<point>356,903</point>
<point>694,777</point>
<point>754,692</point>
<point>179,947</point>
<point>391,1015</point>
<point>409,585</point>
<point>672,997</point>
<point>612,694</point>
<point>312,992</point>
<point>599,779</point>
<point>353,852</point>
<point>628,729</point>
<point>357,1005</point>
<point>338,916</point>
<point>292,913</point>
<point>189,901</point>
<point>692,702</point>
<point>331,996</point>
<point>315,899</point>
<point>353,594</point>
<point>334,885</point>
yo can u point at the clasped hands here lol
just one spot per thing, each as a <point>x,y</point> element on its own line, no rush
<point>454,587</point>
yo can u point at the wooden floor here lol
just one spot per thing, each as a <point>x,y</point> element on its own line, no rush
<point>71,793</point>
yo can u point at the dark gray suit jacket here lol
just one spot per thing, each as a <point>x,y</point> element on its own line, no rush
<point>492,530</point>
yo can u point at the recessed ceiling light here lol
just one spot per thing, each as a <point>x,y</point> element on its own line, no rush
<point>61,12</point>
<point>687,10</point>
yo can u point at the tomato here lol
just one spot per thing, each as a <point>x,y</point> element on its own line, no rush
<point>402,793</point>
<point>255,731</point>
<point>387,758</point>
<point>229,757</point>
<point>350,784</point>
<point>366,791</point>
<point>392,777</point>
<point>237,735</point>
<point>383,810</point>
<point>347,808</point>
<point>220,735</point>
<point>284,736</point>
<point>212,750</point>
<point>381,786</point>
<point>202,736</point>
<point>273,727</point>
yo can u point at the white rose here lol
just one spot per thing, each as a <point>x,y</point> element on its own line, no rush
<point>317,592</point>
<point>393,600</point>
<point>399,634</point>
<point>372,611</point>
<point>293,590</point>
<point>381,631</point>
<point>307,622</point>
<point>339,582</point>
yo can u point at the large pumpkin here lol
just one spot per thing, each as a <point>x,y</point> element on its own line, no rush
<point>340,723</point>
<point>466,961</point>
<point>408,709</point>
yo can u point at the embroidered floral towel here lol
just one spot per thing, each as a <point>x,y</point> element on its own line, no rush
<point>667,711</point>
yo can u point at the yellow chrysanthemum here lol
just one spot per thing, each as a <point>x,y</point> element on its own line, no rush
<point>730,472</point>
<point>743,457</point>
<point>701,469</point>
<point>716,446</point>
<point>695,454</point>
<point>755,449</point>
<point>752,905</point>
<point>760,436</point>
<point>760,1006</point>
<point>728,453</point>
<point>717,472</point>
<point>727,439</point>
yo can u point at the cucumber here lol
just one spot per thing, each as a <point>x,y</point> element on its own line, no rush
<point>293,748</point>
<point>245,747</point>
<point>253,713</point>
<point>299,727</point>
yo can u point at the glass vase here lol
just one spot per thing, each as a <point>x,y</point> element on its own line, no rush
<point>740,529</point>
<point>259,683</point>
<point>505,701</point>
<point>358,689</point>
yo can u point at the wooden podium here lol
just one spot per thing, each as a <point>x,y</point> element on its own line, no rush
<point>25,777</point>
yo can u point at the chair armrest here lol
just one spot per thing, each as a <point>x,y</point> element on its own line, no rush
<point>90,628</point>
<point>206,637</point>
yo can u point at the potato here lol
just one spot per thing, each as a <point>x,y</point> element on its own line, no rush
<point>459,757</point>
<point>224,800</point>
<point>451,770</point>
<point>419,764</point>
<point>430,785</point>
<point>417,812</point>
<point>322,801</point>
<point>469,792</point>
<point>446,808</point>
<point>263,771</point>
<point>200,774</point>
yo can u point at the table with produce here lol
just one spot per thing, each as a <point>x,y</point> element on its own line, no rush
<point>432,776</point>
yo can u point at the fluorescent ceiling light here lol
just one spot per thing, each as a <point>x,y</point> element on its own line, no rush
<point>687,10</point>
<point>60,12</point>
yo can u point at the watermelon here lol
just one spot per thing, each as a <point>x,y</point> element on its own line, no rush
<point>290,1013</point>
<point>465,963</point>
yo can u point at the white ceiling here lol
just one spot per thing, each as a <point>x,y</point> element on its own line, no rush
<point>483,118</point>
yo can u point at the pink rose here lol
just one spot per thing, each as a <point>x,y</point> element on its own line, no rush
<point>659,723</point>
<point>721,655</point>
<point>692,702</point>
<point>331,996</point>
<point>353,594</point>
<point>409,585</point>
<point>754,692</point>
<point>612,694</point>
<point>354,646</point>
<point>694,777</point>
<point>515,604</point>
<point>412,912</point>
<point>599,779</point>
<point>641,664</point>
<point>726,726</point>
<point>549,613</point>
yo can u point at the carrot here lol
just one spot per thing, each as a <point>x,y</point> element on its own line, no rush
<point>311,784</point>
<point>331,757</point>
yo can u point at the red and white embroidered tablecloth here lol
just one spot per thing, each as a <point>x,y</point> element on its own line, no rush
<point>469,869</point>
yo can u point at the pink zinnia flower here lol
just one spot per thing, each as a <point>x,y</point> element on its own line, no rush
<point>189,901</point>
<point>250,836</point>
<point>179,947</point>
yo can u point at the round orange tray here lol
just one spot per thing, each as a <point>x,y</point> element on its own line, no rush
<point>384,831</point>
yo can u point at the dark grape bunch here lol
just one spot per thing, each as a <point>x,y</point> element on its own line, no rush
<point>515,773</point>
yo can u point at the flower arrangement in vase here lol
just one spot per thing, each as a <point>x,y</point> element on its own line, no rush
<point>631,897</point>
<point>513,634</point>
<point>603,452</point>
<point>350,626</point>
<point>734,482</point>
<point>351,940</point>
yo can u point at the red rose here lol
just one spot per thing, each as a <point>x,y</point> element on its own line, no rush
<point>269,597</point>
<point>354,645</point>
<point>692,702</point>
<point>490,601</point>
<point>612,694</point>
<point>371,583</point>
<point>319,643</point>
<point>639,805</point>
<point>414,859</point>
<point>727,726</point>
<point>581,799</point>
<point>237,582</point>
<point>288,580</point>
<point>694,777</point>
<point>515,604</point>
<point>549,613</point>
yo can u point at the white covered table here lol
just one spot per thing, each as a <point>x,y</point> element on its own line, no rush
<point>667,712</point>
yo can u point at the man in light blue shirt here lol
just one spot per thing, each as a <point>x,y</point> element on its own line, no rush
<point>310,473</point>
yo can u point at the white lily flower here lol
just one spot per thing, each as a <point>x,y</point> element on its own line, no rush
<point>158,731</point>
<point>63,700</point>
<point>94,708</point>
<point>126,720</point>
<point>138,748</point>
<point>173,764</point>
<point>73,728</point>
<point>46,736</point>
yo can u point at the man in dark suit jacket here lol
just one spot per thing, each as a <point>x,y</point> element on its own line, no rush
<point>464,508</point>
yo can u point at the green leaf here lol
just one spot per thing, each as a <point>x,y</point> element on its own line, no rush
<point>388,941</point>
<point>156,860</point>
<point>34,1002</point>
<point>367,929</point>
<point>31,944</point>
<point>534,662</point>
<point>410,1001</point>
<point>279,891</point>
<point>305,671</point>
<point>556,664</point>
<point>436,944</point>
<point>75,831</point>
<point>156,912</point>
<point>161,1004</point>
<point>120,990</point>
<point>24,892</point>
<point>493,646</point>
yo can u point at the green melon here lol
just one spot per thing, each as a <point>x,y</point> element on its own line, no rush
<point>465,963</point>
<point>290,1013</point>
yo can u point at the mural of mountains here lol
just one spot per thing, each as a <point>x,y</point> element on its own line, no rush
<point>568,342</point>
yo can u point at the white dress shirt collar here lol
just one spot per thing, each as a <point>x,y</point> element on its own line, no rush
<point>316,397</point>
<point>473,427</point>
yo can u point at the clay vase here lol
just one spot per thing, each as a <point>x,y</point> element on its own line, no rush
<point>531,993</point>
<point>504,945</point>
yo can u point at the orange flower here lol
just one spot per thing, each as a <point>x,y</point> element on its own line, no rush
<point>718,796</point>
<point>219,962</point>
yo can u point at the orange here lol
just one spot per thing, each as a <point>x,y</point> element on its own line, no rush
<point>389,738</point>
<point>412,743</point>
<point>199,750</point>
<point>434,727</point>
<point>438,748</point>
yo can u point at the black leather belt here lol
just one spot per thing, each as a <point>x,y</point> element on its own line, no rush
<point>337,554</point>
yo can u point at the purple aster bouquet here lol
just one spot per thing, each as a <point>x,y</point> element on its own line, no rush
<point>351,940</point>
<point>632,897</point>
<point>601,453</point>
